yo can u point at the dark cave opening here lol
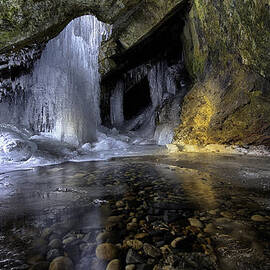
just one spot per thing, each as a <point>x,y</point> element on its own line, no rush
<point>164,43</point>
<point>136,99</point>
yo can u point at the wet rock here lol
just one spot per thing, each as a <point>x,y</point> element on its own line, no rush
<point>130,198</point>
<point>39,246</point>
<point>223,220</point>
<point>73,249</point>
<point>130,267</point>
<point>88,251</point>
<point>141,235</point>
<point>151,250</point>
<point>96,264</point>
<point>106,252</point>
<point>132,226</point>
<point>213,212</point>
<point>135,244</point>
<point>114,265</point>
<point>35,259</point>
<point>68,240</point>
<point>142,223</point>
<point>210,228</point>
<point>105,237</point>
<point>61,263</point>
<point>150,219</point>
<point>113,222</point>
<point>61,228</point>
<point>258,218</point>
<point>40,266</point>
<point>54,236</point>
<point>84,263</point>
<point>226,214</point>
<point>52,254</point>
<point>134,220</point>
<point>55,244</point>
<point>167,205</point>
<point>242,212</point>
<point>133,257</point>
<point>144,267</point>
<point>171,217</point>
<point>119,204</point>
<point>114,219</point>
<point>89,237</point>
<point>165,249</point>
<point>46,233</point>
<point>176,243</point>
<point>87,248</point>
<point>195,222</point>
<point>160,243</point>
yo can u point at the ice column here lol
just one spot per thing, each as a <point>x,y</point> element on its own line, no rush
<point>116,101</point>
<point>66,82</point>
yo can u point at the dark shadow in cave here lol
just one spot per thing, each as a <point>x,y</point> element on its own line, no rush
<point>137,99</point>
<point>163,43</point>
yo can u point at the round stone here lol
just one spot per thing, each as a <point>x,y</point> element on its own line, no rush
<point>151,250</point>
<point>258,218</point>
<point>69,240</point>
<point>195,222</point>
<point>131,267</point>
<point>120,204</point>
<point>210,228</point>
<point>46,233</point>
<point>135,244</point>
<point>141,235</point>
<point>132,226</point>
<point>52,254</point>
<point>55,244</point>
<point>106,252</point>
<point>114,265</point>
<point>176,242</point>
<point>61,263</point>
<point>104,237</point>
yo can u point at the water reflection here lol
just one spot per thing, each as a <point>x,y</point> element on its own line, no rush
<point>73,208</point>
<point>198,186</point>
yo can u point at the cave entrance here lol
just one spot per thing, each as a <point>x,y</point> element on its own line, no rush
<point>137,99</point>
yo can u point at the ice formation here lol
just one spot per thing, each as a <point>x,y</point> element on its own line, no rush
<point>15,145</point>
<point>116,101</point>
<point>61,96</point>
<point>59,101</point>
<point>166,82</point>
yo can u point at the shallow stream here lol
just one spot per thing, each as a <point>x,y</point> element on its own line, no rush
<point>185,211</point>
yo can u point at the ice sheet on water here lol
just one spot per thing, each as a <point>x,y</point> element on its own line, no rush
<point>20,149</point>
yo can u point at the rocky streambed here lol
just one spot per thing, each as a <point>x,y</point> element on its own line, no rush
<point>192,211</point>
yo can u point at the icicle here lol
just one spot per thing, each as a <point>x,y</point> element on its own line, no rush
<point>117,115</point>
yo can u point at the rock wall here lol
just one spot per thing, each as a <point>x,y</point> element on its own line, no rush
<point>226,45</point>
<point>134,28</point>
<point>23,22</point>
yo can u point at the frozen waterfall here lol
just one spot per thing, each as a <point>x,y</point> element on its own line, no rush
<point>52,114</point>
<point>62,93</point>
<point>66,82</point>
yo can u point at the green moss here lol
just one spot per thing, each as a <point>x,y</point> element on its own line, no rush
<point>21,22</point>
<point>227,52</point>
<point>232,30</point>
